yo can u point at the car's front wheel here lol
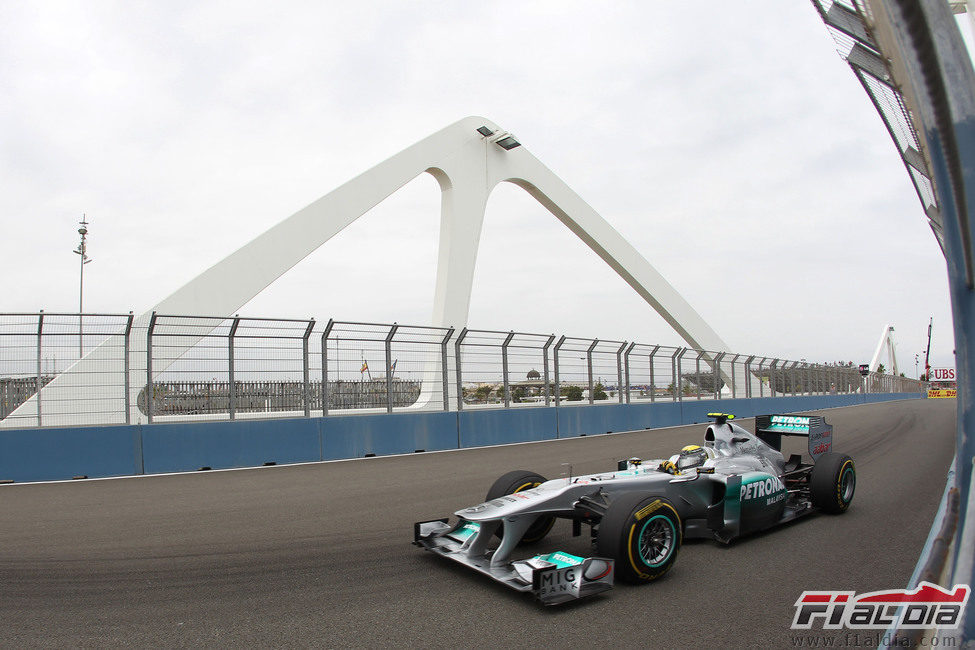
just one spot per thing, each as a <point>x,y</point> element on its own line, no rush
<point>642,534</point>
<point>518,481</point>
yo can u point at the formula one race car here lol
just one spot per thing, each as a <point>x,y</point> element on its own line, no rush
<point>736,483</point>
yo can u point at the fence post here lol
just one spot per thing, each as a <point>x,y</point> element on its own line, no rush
<point>653,385</point>
<point>548,397</point>
<point>748,376</point>
<point>619,374</point>
<point>389,363</point>
<point>626,362</point>
<point>734,378</point>
<point>444,376</point>
<point>761,370</point>
<point>328,330</point>
<point>231,370</point>
<point>595,342</point>
<point>504,369</point>
<point>555,360</point>
<point>126,341</point>
<point>460,378</point>
<point>305,370</point>
<point>773,367</point>
<point>37,393</point>
<point>697,369</point>
<point>673,373</point>
<point>756,373</point>
<point>150,388</point>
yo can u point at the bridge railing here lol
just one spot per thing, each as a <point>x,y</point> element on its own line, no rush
<point>64,369</point>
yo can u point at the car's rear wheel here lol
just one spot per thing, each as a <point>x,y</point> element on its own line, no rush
<point>642,534</point>
<point>518,481</point>
<point>832,483</point>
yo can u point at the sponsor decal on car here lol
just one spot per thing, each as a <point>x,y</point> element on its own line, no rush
<point>560,559</point>
<point>466,531</point>
<point>557,581</point>
<point>559,584</point>
<point>652,507</point>
<point>771,489</point>
<point>927,606</point>
<point>790,423</point>
<point>820,442</point>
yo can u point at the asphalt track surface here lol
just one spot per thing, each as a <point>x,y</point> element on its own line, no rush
<point>320,556</point>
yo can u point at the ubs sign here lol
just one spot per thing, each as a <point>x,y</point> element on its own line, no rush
<point>942,374</point>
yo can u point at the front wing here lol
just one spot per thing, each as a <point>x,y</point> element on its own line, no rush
<point>552,578</point>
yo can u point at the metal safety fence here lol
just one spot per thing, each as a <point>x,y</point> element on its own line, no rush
<point>71,369</point>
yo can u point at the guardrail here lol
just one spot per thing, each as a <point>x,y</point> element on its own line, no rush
<point>69,369</point>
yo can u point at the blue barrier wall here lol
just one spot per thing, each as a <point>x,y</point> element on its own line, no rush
<point>481,428</point>
<point>64,453</point>
<point>51,454</point>
<point>355,436</point>
<point>219,445</point>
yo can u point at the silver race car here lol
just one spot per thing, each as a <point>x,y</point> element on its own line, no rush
<point>734,484</point>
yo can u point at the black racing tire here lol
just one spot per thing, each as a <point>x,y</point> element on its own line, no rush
<point>832,483</point>
<point>642,534</point>
<point>514,482</point>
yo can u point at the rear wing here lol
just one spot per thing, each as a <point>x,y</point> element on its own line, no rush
<point>771,428</point>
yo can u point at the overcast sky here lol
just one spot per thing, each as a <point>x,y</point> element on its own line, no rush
<point>728,142</point>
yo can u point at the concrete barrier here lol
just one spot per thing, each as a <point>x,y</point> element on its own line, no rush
<point>221,445</point>
<point>355,436</point>
<point>52,454</point>
<point>68,452</point>
<point>485,427</point>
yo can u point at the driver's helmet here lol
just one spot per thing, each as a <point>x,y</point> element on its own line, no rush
<point>691,456</point>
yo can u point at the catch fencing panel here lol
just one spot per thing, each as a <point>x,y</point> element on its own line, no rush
<point>527,369</point>
<point>355,375</point>
<point>479,368</point>
<point>650,372</point>
<point>639,373</point>
<point>509,369</point>
<point>418,361</point>
<point>22,368</point>
<point>585,367</point>
<point>39,348</point>
<point>269,363</point>
<point>188,373</point>
<point>210,367</point>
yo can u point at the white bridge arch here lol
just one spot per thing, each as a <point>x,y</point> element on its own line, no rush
<point>468,164</point>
